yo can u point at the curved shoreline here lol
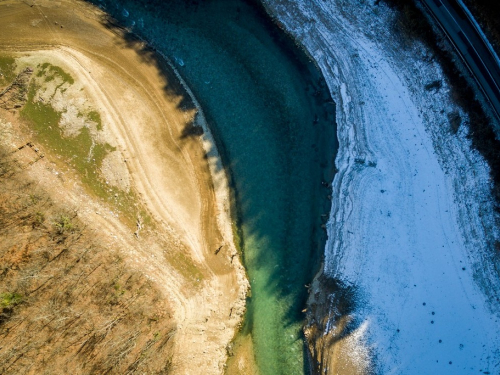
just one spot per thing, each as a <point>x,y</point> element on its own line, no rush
<point>275,118</point>
<point>410,236</point>
<point>221,185</point>
<point>206,291</point>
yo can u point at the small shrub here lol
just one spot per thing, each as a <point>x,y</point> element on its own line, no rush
<point>39,219</point>
<point>63,225</point>
<point>9,300</point>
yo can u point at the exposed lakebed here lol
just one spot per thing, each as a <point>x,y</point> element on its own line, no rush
<point>273,119</point>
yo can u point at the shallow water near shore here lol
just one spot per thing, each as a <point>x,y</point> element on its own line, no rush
<point>273,120</point>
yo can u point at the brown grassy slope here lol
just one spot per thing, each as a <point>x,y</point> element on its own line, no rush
<point>68,305</point>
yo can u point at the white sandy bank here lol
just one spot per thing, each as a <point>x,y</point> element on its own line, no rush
<point>412,221</point>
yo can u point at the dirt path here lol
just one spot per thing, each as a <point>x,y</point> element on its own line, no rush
<point>144,113</point>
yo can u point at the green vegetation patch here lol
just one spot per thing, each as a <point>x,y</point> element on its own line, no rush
<point>9,300</point>
<point>63,224</point>
<point>51,72</point>
<point>186,267</point>
<point>81,151</point>
<point>95,117</point>
<point>7,70</point>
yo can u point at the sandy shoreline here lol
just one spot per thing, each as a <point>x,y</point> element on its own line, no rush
<point>186,196</point>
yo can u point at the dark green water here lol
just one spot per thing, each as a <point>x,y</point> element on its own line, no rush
<point>274,125</point>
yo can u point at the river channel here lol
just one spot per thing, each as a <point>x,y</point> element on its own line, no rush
<point>274,122</point>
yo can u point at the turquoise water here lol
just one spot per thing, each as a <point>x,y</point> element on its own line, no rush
<point>274,124</point>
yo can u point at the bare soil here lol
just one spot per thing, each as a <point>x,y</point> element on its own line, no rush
<point>121,260</point>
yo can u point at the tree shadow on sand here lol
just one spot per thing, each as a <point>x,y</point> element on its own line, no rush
<point>290,263</point>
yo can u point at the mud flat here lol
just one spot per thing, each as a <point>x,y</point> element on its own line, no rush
<point>111,119</point>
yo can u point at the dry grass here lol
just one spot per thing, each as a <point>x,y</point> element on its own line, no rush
<point>67,303</point>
